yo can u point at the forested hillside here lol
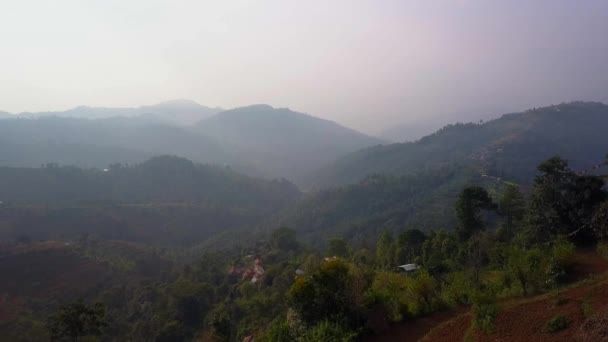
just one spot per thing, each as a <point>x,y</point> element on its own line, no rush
<point>361,211</point>
<point>281,142</point>
<point>507,147</point>
<point>165,201</point>
<point>505,245</point>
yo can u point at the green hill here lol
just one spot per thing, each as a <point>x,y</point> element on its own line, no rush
<point>510,146</point>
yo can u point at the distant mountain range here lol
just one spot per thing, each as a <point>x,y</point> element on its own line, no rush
<point>258,140</point>
<point>510,146</point>
<point>180,112</point>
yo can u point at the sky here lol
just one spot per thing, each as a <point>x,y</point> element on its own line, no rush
<point>368,64</point>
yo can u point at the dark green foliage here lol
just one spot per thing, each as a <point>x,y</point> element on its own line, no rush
<point>380,202</point>
<point>512,206</point>
<point>139,203</point>
<point>172,331</point>
<point>329,331</point>
<point>77,320</point>
<point>409,245</point>
<point>562,202</point>
<point>556,324</point>
<point>599,222</point>
<point>284,239</point>
<point>468,207</point>
<point>325,294</point>
<point>386,251</point>
<point>337,247</point>
<point>279,332</point>
<point>165,179</point>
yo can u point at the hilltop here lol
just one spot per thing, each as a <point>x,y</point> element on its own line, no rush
<point>509,146</point>
<point>282,142</point>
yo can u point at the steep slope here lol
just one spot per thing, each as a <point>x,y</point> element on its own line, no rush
<point>181,112</point>
<point>281,142</point>
<point>510,146</point>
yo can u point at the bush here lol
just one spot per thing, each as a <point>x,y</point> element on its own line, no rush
<point>390,290</point>
<point>557,323</point>
<point>327,331</point>
<point>278,332</point>
<point>485,311</point>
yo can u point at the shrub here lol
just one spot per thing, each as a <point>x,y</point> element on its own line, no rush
<point>327,331</point>
<point>390,290</point>
<point>485,311</point>
<point>278,332</point>
<point>557,323</point>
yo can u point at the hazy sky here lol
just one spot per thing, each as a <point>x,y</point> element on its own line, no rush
<point>366,64</point>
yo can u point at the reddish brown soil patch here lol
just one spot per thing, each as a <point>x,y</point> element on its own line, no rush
<point>413,330</point>
<point>452,330</point>
<point>525,319</point>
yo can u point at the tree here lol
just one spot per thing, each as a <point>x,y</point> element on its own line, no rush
<point>468,206</point>
<point>77,320</point>
<point>599,222</point>
<point>284,239</point>
<point>409,245</point>
<point>337,247</point>
<point>526,266</point>
<point>386,251</point>
<point>563,202</point>
<point>325,294</point>
<point>512,206</point>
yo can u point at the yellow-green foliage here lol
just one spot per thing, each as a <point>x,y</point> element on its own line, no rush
<point>391,289</point>
<point>458,289</point>
<point>404,295</point>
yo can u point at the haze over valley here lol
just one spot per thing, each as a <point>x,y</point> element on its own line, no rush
<point>278,171</point>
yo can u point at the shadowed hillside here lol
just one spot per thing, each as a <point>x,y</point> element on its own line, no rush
<point>506,147</point>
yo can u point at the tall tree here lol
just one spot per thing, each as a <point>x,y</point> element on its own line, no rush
<point>468,207</point>
<point>386,251</point>
<point>409,245</point>
<point>562,202</point>
<point>512,206</point>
